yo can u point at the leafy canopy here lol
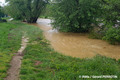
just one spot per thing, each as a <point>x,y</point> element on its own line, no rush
<point>1,12</point>
<point>26,9</point>
<point>76,15</point>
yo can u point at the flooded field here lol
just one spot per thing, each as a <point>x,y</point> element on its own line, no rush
<point>76,44</point>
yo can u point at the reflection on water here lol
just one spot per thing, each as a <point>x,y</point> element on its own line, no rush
<point>76,44</point>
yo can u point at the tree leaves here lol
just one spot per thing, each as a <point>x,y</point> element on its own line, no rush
<point>78,14</point>
<point>26,9</point>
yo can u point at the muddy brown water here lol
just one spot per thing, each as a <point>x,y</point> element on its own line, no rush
<point>76,44</point>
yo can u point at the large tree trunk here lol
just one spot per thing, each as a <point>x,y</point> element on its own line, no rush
<point>32,20</point>
<point>34,9</point>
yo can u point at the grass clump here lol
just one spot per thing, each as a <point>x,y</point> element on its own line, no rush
<point>40,62</point>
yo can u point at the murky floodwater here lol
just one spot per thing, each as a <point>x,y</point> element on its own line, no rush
<point>76,44</point>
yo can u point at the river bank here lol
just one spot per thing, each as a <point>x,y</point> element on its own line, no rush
<point>77,44</point>
<point>41,62</point>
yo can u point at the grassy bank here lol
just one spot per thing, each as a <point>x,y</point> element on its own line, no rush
<point>10,40</point>
<point>9,43</point>
<point>40,62</point>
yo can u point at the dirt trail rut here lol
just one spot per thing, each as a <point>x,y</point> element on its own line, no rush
<point>13,72</point>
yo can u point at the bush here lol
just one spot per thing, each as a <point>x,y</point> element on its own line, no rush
<point>112,35</point>
<point>98,32</point>
<point>3,20</point>
<point>76,15</point>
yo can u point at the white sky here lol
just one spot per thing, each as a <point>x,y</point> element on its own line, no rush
<point>3,1</point>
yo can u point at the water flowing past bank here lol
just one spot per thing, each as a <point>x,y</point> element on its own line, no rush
<point>76,44</point>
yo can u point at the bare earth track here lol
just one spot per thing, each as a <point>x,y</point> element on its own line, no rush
<point>13,72</point>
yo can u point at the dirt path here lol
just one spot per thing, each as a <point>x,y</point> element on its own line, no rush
<point>13,72</point>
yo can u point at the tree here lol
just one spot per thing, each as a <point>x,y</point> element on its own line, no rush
<point>76,15</point>
<point>26,9</point>
<point>1,12</point>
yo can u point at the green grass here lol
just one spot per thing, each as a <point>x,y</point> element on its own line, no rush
<point>40,62</point>
<point>10,40</point>
<point>9,44</point>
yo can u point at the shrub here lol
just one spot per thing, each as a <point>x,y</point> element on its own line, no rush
<point>3,20</point>
<point>76,15</point>
<point>112,35</point>
<point>98,32</point>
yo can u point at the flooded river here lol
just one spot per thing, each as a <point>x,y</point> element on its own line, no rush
<point>76,44</point>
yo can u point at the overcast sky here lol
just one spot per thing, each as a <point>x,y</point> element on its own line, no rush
<point>3,1</point>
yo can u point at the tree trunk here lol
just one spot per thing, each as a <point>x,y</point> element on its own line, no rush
<point>32,20</point>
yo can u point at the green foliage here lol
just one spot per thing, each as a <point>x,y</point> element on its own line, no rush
<point>111,17</point>
<point>13,12</point>
<point>46,13</point>
<point>112,9</point>
<point>1,12</point>
<point>112,35</point>
<point>76,15</point>
<point>26,9</point>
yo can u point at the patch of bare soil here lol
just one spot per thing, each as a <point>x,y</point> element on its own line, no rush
<point>37,63</point>
<point>13,72</point>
